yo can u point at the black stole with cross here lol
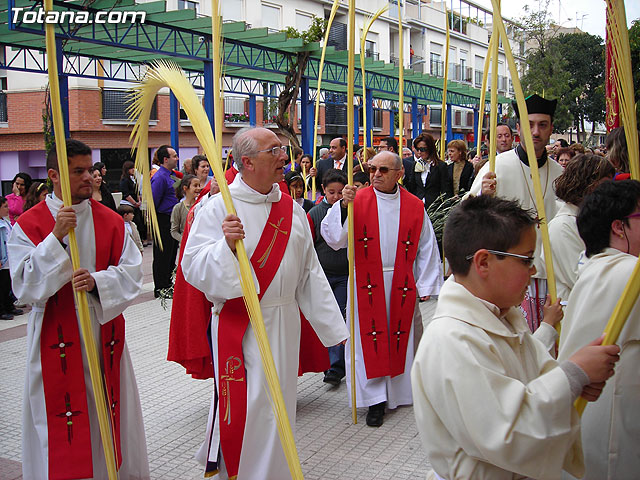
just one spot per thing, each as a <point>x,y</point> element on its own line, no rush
<point>68,426</point>
<point>233,322</point>
<point>384,341</point>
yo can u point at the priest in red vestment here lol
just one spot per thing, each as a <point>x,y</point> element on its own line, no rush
<point>396,261</point>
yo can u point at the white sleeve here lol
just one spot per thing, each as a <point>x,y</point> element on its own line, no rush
<point>37,272</point>
<point>119,285</point>
<point>333,230</point>
<point>428,267</point>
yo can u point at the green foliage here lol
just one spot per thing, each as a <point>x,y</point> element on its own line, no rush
<point>569,67</point>
<point>314,34</point>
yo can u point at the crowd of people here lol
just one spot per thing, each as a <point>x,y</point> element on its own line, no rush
<point>492,396</point>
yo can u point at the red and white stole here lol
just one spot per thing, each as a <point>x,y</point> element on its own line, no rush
<point>233,322</point>
<point>68,426</point>
<point>385,347</point>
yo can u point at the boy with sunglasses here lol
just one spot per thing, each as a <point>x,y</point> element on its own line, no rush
<point>490,401</point>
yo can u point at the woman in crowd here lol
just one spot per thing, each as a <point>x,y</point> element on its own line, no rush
<point>564,155</point>
<point>200,166</point>
<point>583,174</point>
<point>35,195</point>
<point>460,170</point>
<point>100,192</point>
<point>19,188</point>
<point>430,174</point>
<point>130,196</point>
<point>617,153</point>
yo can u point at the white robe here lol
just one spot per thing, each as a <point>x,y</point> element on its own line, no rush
<point>490,402</point>
<point>566,247</point>
<point>299,284</point>
<point>427,271</point>
<point>514,183</point>
<point>611,425</point>
<point>40,271</point>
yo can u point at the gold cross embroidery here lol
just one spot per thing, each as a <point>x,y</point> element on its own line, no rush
<point>263,259</point>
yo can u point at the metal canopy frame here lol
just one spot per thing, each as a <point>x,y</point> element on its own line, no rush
<point>251,56</point>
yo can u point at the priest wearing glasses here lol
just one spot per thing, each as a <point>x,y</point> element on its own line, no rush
<point>397,262</point>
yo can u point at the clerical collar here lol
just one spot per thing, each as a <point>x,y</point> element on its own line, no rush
<point>57,204</point>
<point>522,155</point>
<point>248,194</point>
<point>387,196</point>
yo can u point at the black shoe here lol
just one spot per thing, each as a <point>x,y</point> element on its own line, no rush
<point>375,414</point>
<point>332,378</point>
<point>156,293</point>
<point>6,316</point>
<point>16,311</point>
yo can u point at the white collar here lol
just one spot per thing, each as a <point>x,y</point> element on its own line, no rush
<point>56,204</point>
<point>244,192</point>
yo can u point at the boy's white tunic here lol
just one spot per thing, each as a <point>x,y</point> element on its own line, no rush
<point>38,273</point>
<point>610,426</point>
<point>489,399</point>
<point>428,275</point>
<point>514,183</point>
<point>566,247</point>
<point>299,284</point>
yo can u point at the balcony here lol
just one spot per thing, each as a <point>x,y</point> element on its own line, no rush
<point>235,111</point>
<point>372,54</point>
<point>436,68</point>
<point>3,107</point>
<point>478,79</point>
<point>417,63</point>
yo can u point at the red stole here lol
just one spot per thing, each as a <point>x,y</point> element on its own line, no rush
<point>69,434</point>
<point>233,322</point>
<point>384,347</point>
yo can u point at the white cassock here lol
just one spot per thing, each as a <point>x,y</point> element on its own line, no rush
<point>490,402</point>
<point>38,272</point>
<point>427,271</point>
<point>514,183</point>
<point>611,425</point>
<point>566,247</point>
<point>299,285</point>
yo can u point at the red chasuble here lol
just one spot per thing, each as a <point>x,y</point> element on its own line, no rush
<point>233,322</point>
<point>69,434</point>
<point>384,342</point>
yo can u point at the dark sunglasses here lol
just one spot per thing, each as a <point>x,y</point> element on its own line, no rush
<point>383,170</point>
<point>422,149</point>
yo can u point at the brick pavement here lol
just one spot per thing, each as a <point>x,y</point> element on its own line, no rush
<point>175,409</point>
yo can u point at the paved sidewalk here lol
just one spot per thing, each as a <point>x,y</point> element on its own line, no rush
<point>175,409</point>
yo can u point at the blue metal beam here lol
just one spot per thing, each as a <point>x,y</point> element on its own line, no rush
<point>174,114</point>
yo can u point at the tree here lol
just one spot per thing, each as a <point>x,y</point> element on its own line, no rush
<point>297,65</point>
<point>546,68</point>
<point>584,54</point>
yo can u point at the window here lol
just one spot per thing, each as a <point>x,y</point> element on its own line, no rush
<point>270,16</point>
<point>115,103</point>
<point>436,65</point>
<point>303,21</point>
<point>235,109</point>
<point>370,50</point>
<point>435,116</point>
<point>187,5</point>
<point>232,10</point>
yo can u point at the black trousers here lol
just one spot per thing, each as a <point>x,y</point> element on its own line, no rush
<point>164,260</point>
<point>6,302</point>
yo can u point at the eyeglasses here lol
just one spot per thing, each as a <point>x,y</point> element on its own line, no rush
<point>422,149</point>
<point>275,151</point>
<point>633,215</point>
<point>383,170</point>
<point>527,260</point>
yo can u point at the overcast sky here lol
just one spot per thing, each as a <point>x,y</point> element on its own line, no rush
<point>588,15</point>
